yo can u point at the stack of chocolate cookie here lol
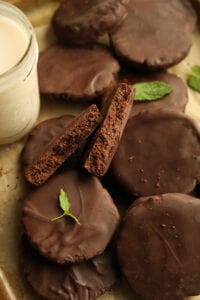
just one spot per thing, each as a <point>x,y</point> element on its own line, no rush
<point>61,258</point>
<point>146,35</point>
<point>76,250</point>
<point>151,149</point>
<point>69,259</point>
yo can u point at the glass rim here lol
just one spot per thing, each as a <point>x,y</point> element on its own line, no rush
<point>28,27</point>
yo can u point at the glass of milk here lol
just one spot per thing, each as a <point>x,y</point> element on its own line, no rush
<point>19,93</point>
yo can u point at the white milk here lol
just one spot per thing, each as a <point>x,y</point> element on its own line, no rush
<point>13,44</point>
<point>19,95</point>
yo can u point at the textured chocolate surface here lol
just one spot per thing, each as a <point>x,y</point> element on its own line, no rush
<point>159,153</point>
<point>85,281</point>
<point>176,100</point>
<point>63,240</point>
<point>154,35</point>
<point>158,246</point>
<point>186,9</point>
<point>78,73</point>
<point>41,135</point>
<point>80,22</point>
<point>63,145</point>
<point>105,141</point>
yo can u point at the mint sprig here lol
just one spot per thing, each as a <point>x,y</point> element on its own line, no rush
<point>65,206</point>
<point>152,90</point>
<point>194,78</point>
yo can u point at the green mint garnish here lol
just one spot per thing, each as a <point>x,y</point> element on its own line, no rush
<point>152,90</point>
<point>65,206</point>
<point>194,78</point>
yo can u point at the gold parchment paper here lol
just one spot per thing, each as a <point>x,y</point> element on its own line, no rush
<point>12,185</point>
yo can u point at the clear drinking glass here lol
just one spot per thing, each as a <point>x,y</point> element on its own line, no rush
<point>19,93</point>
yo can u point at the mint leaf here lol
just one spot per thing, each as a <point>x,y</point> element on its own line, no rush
<point>151,90</point>
<point>64,201</point>
<point>65,206</point>
<point>194,78</point>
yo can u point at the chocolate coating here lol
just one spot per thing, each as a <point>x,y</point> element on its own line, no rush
<point>154,35</point>
<point>41,135</point>
<point>78,73</point>
<point>85,281</point>
<point>106,139</point>
<point>186,9</point>
<point>63,146</point>
<point>81,22</point>
<point>159,152</point>
<point>158,246</point>
<point>176,100</point>
<point>63,240</point>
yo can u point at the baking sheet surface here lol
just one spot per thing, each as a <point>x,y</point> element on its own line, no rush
<point>13,187</point>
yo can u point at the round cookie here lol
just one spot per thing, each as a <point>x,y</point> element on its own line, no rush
<point>78,73</point>
<point>81,22</point>
<point>41,135</point>
<point>176,100</point>
<point>162,258</point>
<point>63,240</point>
<point>153,36</point>
<point>87,280</point>
<point>159,153</point>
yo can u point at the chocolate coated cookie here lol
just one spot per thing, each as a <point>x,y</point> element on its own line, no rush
<point>73,135</point>
<point>81,22</point>
<point>158,246</point>
<point>154,35</point>
<point>41,135</point>
<point>86,281</point>
<point>159,153</point>
<point>63,240</point>
<point>176,100</point>
<point>78,73</point>
<point>106,139</point>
